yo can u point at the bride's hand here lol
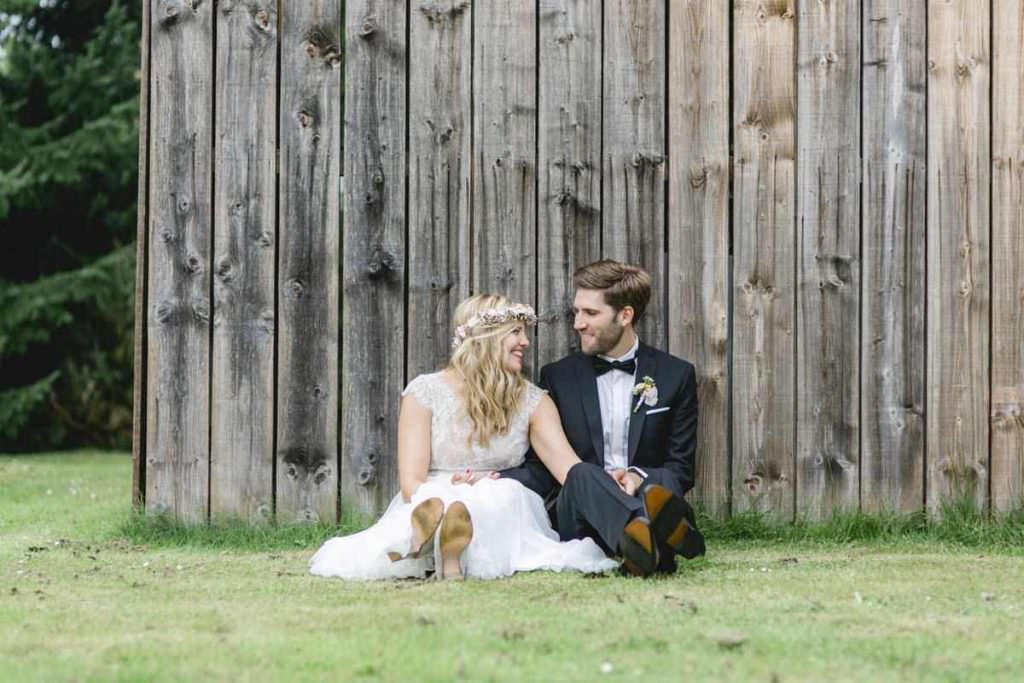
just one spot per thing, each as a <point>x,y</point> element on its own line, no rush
<point>471,477</point>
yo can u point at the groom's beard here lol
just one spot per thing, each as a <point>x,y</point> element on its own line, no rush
<point>605,340</point>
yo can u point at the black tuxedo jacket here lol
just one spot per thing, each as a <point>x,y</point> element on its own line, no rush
<point>662,444</point>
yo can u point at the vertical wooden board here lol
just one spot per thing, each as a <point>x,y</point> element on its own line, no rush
<point>698,229</point>
<point>764,255</point>
<point>569,149</point>
<point>828,269</point>
<point>504,136</point>
<point>309,139</point>
<point>893,219</point>
<point>1007,414</point>
<point>141,247</point>
<point>373,317</point>
<point>633,169</point>
<point>440,97</point>
<point>958,251</point>
<point>245,157</point>
<point>178,353</point>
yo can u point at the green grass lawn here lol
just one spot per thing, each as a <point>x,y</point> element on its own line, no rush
<point>86,593</point>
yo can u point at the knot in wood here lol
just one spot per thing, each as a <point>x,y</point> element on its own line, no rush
<point>367,474</point>
<point>566,38</point>
<point>380,264</point>
<point>321,473</point>
<point>225,270</point>
<point>201,310</point>
<point>368,27</point>
<point>164,311</point>
<point>318,392</point>
<point>445,135</point>
<point>262,19</point>
<point>698,177</point>
<point>265,239</point>
<point>266,321</point>
<point>304,118</point>
<point>378,177</point>
<point>294,288</point>
<point>183,204</point>
<point>372,458</point>
<point>263,510</point>
<point>753,484</point>
<point>193,265</point>
<point>165,235</point>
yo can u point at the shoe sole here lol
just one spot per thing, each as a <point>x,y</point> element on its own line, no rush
<point>456,534</point>
<point>668,516</point>
<point>426,517</point>
<point>639,554</point>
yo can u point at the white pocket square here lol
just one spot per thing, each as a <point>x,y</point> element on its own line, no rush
<point>658,410</point>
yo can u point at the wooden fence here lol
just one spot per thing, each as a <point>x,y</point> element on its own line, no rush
<point>830,196</point>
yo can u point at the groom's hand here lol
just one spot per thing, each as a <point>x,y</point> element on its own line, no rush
<point>628,481</point>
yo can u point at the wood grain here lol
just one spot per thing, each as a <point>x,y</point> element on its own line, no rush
<point>440,117</point>
<point>309,138</point>
<point>569,147</point>
<point>139,339</point>
<point>1007,413</point>
<point>245,158</point>
<point>634,149</point>
<point>828,266</point>
<point>504,255</point>
<point>894,228</point>
<point>764,205</point>
<point>698,226</point>
<point>959,171</point>
<point>178,336</point>
<point>373,311</point>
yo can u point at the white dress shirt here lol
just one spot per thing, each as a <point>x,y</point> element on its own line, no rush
<point>615,393</point>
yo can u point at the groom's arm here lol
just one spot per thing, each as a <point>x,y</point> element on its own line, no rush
<point>532,474</point>
<point>677,471</point>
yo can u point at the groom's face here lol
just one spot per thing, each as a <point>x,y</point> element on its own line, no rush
<point>597,323</point>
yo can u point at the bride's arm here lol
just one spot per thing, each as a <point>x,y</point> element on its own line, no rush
<point>548,440</point>
<point>413,445</point>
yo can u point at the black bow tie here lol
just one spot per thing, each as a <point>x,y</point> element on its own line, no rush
<point>602,366</point>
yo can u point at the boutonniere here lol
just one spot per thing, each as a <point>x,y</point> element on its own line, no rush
<point>647,390</point>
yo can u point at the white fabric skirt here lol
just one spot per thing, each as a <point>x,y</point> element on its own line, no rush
<point>511,533</point>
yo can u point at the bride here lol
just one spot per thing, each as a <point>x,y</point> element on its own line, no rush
<point>456,429</point>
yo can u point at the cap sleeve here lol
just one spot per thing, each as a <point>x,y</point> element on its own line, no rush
<point>422,390</point>
<point>532,397</point>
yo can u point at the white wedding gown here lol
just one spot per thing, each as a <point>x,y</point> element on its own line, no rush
<point>511,531</point>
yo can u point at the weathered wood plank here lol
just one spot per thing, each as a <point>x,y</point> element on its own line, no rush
<point>373,316</point>
<point>141,250</point>
<point>245,157</point>
<point>309,138</point>
<point>440,151</point>
<point>1007,413</point>
<point>893,216</point>
<point>569,148</point>
<point>828,270</point>
<point>633,167</point>
<point>959,173</point>
<point>764,253</point>
<point>504,135</point>
<point>178,337</point>
<point>698,229</point>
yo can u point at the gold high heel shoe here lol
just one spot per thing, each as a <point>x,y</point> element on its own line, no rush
<point>426,517</point>
<point>456,533</point>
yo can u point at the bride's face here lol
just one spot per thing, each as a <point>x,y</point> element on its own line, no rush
<point>514,345</point>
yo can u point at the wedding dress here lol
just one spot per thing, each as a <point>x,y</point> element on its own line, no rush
<point>511,531</point>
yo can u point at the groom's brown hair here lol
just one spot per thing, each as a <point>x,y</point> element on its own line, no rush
<point>622,284</point>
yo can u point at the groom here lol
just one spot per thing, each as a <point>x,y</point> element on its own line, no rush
<point>630,413</point>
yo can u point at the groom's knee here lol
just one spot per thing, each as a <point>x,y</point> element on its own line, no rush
<point>581,476</point>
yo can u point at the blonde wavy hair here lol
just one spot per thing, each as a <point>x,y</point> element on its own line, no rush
<point>490,391</point>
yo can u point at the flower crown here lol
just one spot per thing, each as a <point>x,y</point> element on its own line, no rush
<point>492,317</point>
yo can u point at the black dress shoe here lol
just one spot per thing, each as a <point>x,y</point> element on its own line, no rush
<point>671,529</point>
<point>638,547</point>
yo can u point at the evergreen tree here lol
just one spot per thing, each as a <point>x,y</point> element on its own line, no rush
<point>68,176</point>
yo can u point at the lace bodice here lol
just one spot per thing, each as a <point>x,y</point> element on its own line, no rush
<point>450,427</point>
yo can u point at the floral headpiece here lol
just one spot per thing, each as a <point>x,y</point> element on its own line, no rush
<point>492,317</point>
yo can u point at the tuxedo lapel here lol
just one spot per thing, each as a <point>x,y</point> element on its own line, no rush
<point>591,405</point>
<point>645,366</point>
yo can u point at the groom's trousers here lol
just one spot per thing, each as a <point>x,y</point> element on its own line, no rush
<point>591,504</point>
